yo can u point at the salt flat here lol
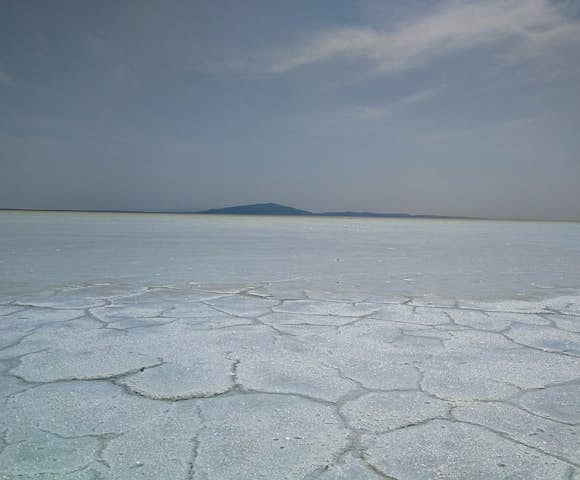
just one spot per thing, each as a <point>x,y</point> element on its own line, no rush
<point>202,347</point>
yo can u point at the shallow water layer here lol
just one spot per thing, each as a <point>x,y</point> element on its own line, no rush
<point>201,347</point>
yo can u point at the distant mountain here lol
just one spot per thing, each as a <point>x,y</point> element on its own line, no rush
<point>257,209</point>
<point>276,209</point>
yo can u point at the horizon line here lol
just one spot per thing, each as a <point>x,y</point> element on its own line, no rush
<point>379,216</point>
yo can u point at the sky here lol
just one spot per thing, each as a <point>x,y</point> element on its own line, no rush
<point>449,107</point>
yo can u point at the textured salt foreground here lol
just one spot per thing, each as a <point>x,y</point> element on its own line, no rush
<point>187,347</point>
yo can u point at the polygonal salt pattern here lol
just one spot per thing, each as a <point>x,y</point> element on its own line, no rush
<point>433,301</point>
<point>107,291</point>
<point>171,381</point>
<point>465,383</point>
<point>514,318</point>
<point>292,374</point>
<point>62,301</point>
<point>284,319</point>
<point>7,299</point>
<point>273,381</point>
<point>45,453</point>
<point>9,386</point>
<point>349,468</point>
<point>163,297</point>
<point>194,310</point>
<point>546,338</point>
<point>510,306</point>
<point>479,320</point>
<point>217,289</point>
<point>447,449</point>
<point>77,409</point>
<point>8,309</point>
<point>487,366</point>
<point>85,364</point>
<point>243,306</point>
<point>116,313</point>
<point>162,446</point>
<point>413,315</point>
<point>320,307</point>
<point>384,411</point>
<point>567,304</point>
<point>27,320</point>
<point>267,436</point>
<point>384,373</point>
<point>567,323</point>
<point>559,402</point>
<point>548,436</point>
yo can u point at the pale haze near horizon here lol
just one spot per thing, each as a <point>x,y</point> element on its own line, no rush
<point>468,108</point>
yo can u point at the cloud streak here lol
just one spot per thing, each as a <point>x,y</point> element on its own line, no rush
<point>501,126</point>
<point>363,113</point>
<point>527,28</point>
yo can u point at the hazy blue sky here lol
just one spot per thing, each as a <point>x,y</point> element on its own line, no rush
<point>441,107</point>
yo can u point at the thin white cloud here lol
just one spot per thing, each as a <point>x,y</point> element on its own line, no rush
<point>502,126</point>
<point>365,113</point>
<point>524,27</point>
<point>359,114</point>
<point>418,97</point>
<point>374,112</point>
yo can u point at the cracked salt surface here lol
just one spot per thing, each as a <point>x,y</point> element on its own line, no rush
<point>206,357</point>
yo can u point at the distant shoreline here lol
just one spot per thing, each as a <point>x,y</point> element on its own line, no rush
<point>324,215</point>
<point>318,215</point>
<point>260,209</point>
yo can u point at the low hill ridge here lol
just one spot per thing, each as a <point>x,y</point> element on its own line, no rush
<point>258,209</point>
<point>277,209</point>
